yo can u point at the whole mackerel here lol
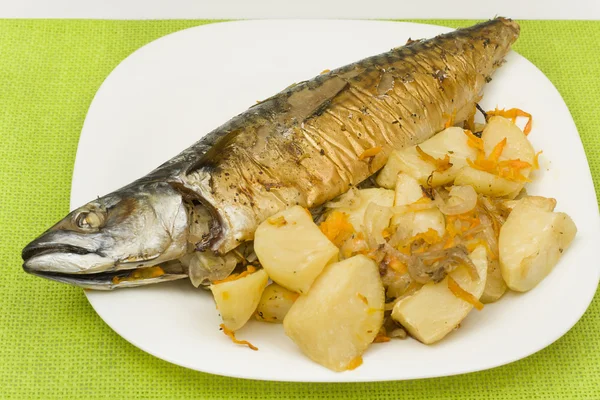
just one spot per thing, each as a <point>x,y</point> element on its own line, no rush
<point>305,145</point>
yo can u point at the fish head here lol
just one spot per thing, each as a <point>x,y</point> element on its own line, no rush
<point>112,240</point>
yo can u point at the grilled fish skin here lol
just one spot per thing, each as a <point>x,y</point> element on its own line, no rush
<point>304,146</point>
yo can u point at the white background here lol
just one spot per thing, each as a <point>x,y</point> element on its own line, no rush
<point>382,9</point>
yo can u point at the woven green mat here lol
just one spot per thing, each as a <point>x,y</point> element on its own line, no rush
<point>53,345</point>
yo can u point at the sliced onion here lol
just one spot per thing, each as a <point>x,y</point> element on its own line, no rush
<point>462,200</point>
<point>388,249</point>
<point>451,258</point>
<point>206,266</point>
<point>353,245</point>
<point>376,219</point>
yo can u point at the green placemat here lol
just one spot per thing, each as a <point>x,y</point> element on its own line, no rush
<point>53,345</point>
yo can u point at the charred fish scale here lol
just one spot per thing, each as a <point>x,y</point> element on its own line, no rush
<point>303,146</point>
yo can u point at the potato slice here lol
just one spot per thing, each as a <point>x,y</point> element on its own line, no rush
<point>356,213</point>
<point>339,318</point>
<point>517,144</point>
<point>486,183</point>
<point>408,191</point>
<point>237,299</point>
<point>517,147</point>
<point>495,287</point>
<point>434,311</point>
<point>275,303</point>
<point>451,141</point>
<point>292,249</point>
<point>531,242</point>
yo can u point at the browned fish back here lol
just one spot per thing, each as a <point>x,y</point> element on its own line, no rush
<point>311,142</point>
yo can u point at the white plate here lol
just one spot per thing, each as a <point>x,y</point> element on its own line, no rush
<point>169,93</point>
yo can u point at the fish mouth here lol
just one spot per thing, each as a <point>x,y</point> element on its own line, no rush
<point>114,279</point>
<point>107,278</point>
<point>36,250</point>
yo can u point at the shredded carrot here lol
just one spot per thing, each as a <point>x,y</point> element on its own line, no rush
<point>536,162</point>
<point>325,71</point>
<point>231,335</point>
<point>513,113</point>
<point>497,151</point>
<point>362,298</point>
<point>380,338</point>
<point>507,169</point>
<point>278,222</point>
<point>235,277</point>
<point>357,362</point>
<point>463,294</point>
<point>449,243</point>
<point>373,151</point>
<point>397,265</point>
<point>441,164</point>
<point>474,141</point>
<point>337,228</point>
<point>138,274</point>
<point>430,236</point>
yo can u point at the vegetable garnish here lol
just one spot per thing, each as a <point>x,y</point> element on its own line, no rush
<point>357,362</point>
<point>474,141</point>
<point>513,113</point>
<point>463,294</point>
<point>337,228</point>
<point>536,162</point>
<point>234,277</point>
<point>143,273</point>
<point>231,335</point>
<point>507,169</point>
<point>380,338</point>
<point>373,151</point>
<point>441,164</point>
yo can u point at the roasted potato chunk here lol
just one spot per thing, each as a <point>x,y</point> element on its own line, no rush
<point>531,242</point>
<point>292,249</point>
<point>434,310</point>
<point>275,303</point>
<point>341,314</point>
<point>237,299</point>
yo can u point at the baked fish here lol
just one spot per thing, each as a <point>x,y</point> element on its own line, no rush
<point>194,215</point>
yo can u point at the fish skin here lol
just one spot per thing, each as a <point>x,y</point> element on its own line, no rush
<point>302,146</point>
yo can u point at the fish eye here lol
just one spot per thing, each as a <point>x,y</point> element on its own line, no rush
<point>89,220</point>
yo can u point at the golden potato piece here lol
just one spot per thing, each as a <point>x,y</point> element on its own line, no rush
<point>275,303</point>
<point>485,183</point>
<point>292,249</point>
<point>237,299</point>
<point>341,314</point>
<point>434,310</point>
<point>531,242</point>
